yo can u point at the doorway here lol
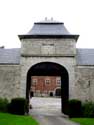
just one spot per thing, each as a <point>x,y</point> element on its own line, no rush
<point>58,92</point>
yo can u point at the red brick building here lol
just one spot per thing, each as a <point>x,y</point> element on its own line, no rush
<point>46,85</point>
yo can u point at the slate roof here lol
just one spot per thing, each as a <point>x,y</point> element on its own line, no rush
<point>10,56</point>
<point>85,57</point>
<point>48,29</point>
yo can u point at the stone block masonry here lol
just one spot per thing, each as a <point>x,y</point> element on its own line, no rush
<point>9,81</point>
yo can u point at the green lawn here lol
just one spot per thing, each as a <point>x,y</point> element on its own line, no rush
<point>9,119</point>
<point>84,121</point>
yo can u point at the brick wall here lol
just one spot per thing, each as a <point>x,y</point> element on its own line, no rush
<point>44,85</point>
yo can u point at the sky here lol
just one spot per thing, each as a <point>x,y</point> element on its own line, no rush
<point>17,17</point>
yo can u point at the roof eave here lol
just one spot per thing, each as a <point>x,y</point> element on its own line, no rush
<point>48,36</point>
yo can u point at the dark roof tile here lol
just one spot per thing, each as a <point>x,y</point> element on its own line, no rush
<point>48,29</point>
<point>85,57</point>
<point>10,56</point>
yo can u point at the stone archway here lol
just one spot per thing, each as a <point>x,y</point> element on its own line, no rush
<point>51,69</point>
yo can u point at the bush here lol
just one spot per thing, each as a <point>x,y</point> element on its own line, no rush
<point>3,105</point>
<point>75,108</point>
<point>88,109</point>
<point>18,106</point>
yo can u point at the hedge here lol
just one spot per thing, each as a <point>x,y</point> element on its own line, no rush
<point>75,108</point>
<point>18,106</point>
<point>88,109</point>
<point>3,105</point>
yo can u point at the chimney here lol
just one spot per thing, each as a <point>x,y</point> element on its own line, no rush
<point>2,47</point>
<point>45,18</point>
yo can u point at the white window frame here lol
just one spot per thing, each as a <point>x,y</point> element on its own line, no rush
<point>58,79</point>
<point>34,81</point>
<point>47,82</point>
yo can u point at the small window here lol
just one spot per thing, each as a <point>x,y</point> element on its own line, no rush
<point>47,81</point>
<point>58,80</point>
<point>34,81</point>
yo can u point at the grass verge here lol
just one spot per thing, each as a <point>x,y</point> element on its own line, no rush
<point>9,119</point>
<point>84,121</point>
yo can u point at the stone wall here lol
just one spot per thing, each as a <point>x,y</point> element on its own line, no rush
<point>84,86</point>
<point>44,85</point>
<point>9,81</point>
<point>60,51</point>
<point>48,47</point>
<point>67,62</point>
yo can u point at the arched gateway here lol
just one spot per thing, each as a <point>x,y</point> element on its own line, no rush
<point>49,49</point>
<point>51,69</point>
<point>48,46</point>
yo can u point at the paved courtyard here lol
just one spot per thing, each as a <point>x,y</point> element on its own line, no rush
<point>46,106</point>
<point>47,111</point>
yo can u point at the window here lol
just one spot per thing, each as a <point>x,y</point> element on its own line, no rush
<point>47,81</point>
<point>58,80</point>
<point>34,81</point>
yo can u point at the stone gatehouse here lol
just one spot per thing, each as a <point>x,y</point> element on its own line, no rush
<point>47,49</point>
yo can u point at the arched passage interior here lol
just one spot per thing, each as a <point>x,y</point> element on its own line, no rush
<point>51,69</point>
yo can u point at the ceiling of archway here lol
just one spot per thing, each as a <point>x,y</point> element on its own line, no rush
<point>47,68</point>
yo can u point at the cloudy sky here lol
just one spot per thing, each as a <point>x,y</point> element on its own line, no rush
<point>18,16</point>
